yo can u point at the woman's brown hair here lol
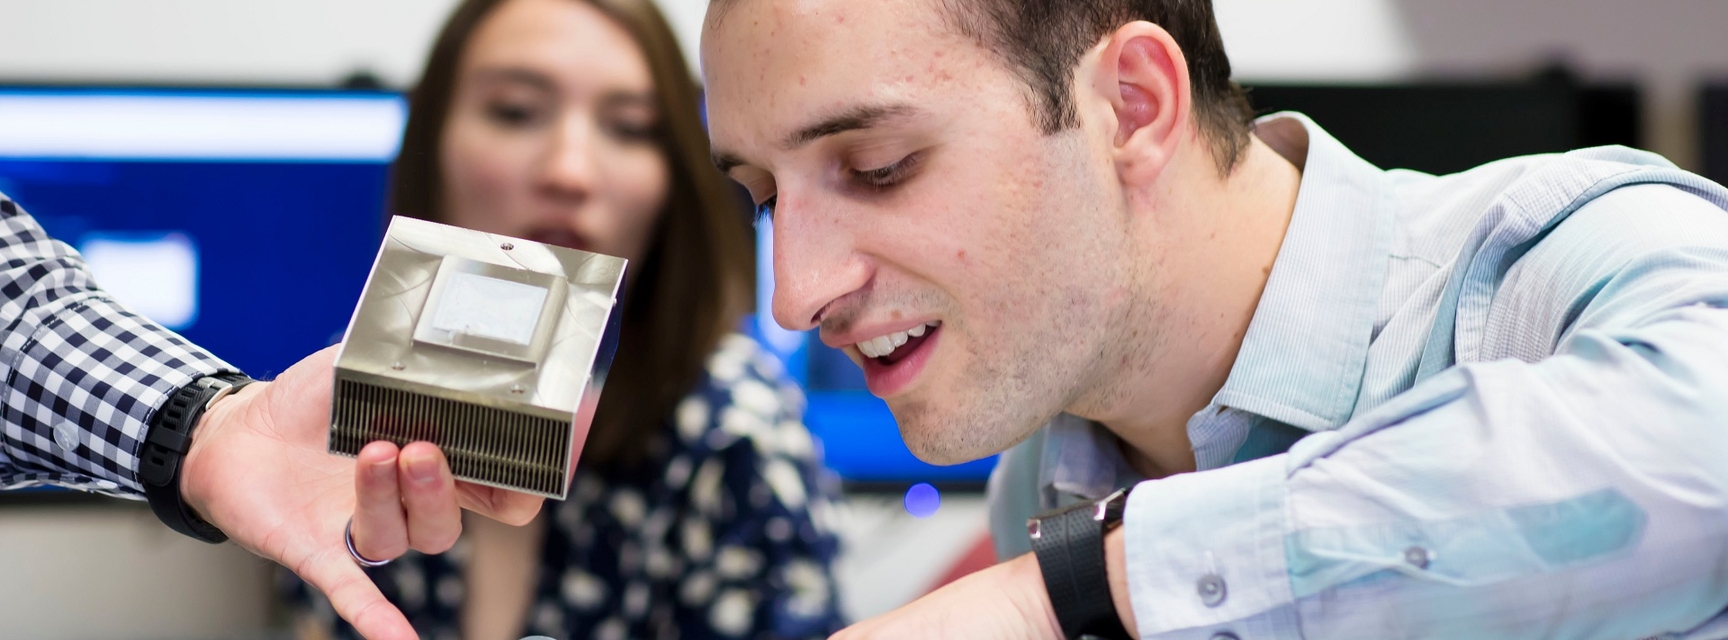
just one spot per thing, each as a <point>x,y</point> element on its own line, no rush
<point>694,281</point>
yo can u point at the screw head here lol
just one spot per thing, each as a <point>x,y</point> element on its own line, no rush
<point>517,389</point>
<point>507,246</point>
<point>397,367</point>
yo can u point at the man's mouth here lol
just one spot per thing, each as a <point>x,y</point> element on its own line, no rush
<point>893,347</point>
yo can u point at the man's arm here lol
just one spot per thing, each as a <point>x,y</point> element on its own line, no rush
<point>1583,496</point>
<point>83,376</point>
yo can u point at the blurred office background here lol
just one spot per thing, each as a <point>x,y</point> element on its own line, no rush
<point>269,229</point>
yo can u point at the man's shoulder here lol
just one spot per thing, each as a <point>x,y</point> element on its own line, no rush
<point>1441,218</point>
<point>1618,256</point>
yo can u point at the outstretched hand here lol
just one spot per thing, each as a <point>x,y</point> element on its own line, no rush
<point>259,470</point>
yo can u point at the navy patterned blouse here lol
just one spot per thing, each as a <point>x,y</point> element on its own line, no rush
<point>723,533</point>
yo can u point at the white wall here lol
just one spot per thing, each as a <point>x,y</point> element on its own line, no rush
<point>215,41</point>
<point>1667,44</point>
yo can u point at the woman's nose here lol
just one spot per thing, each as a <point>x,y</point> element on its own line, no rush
<point>569,165</point>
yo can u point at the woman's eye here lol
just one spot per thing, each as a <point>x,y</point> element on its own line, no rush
<point>510,115</point>
<point>632,131</point>
<point>765,211</point>
<point>888,176</point>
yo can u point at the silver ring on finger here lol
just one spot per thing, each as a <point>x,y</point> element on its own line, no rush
<point>348,537</point>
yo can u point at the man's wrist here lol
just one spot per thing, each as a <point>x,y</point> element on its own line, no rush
<point>1116,567</point>
<point>1070,544</point>
<point>194,483</point>
<point>1033,601</point>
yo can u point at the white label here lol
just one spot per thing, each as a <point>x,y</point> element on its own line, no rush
<point>490,308</point>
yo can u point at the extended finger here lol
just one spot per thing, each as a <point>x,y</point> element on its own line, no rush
<point>429,496</point>
<point>380,526</point>
<point>354,596</point>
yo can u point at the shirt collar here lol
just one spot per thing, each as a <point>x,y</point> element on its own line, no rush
<point>1303,356</point>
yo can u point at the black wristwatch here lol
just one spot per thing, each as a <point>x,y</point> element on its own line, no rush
<point>165,448</point>
<point>1069,543</point>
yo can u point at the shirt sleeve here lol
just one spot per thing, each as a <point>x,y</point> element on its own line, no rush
<point>1580,495</point>
<point>80,374</point>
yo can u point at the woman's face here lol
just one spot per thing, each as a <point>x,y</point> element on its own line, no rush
<point>551,132</point>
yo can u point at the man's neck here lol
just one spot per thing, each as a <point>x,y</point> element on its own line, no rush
<point>1216,257</point>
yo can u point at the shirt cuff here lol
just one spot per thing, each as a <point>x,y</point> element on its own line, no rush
<point>1205,552</point>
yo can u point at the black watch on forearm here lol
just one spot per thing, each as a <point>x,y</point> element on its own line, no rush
<point>165,449</point>
<point>1069,543</point>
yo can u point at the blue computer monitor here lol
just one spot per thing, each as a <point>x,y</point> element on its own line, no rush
<point>247,220</point>
<point>244,219</point>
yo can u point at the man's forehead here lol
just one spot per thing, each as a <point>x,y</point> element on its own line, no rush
<point>720,11</point>
<point>808,24</point>
<point>780,63</point>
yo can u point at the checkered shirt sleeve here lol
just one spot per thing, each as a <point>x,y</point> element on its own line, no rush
<point>82,374</point>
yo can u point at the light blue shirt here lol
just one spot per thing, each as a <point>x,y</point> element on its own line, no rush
<point>1485,405</point>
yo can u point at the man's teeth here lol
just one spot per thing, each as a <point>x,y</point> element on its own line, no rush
<point>881,346</point>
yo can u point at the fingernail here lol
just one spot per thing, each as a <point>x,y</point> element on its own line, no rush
<point>382,469</point>
<point>423,470</point>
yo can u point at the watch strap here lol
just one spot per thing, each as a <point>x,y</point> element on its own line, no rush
<point>1069,544</point>
<point>164,452</point>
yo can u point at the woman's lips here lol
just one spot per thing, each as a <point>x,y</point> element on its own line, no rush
<point>561,238</point>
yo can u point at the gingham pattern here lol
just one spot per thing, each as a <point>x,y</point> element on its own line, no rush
<point>82,374</point>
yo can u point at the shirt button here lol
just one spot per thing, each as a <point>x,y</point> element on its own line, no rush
<point>1211,589</point>
<point>1224,635</point>
<point>66,435</point>
<point>1417,557</point>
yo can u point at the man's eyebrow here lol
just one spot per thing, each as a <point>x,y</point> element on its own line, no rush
<point>853,119</point>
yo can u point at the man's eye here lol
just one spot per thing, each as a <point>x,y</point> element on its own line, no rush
<point>765,210</point>
<point>888,176</point>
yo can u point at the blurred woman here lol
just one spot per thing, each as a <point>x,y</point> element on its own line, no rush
<point>698,509</point>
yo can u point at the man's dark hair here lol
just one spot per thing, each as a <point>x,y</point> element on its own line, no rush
<point>1042,41</point>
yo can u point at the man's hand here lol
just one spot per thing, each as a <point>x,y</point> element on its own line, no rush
<point>1004,602</point>
<point>259,470</point>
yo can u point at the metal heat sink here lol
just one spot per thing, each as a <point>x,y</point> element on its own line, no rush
<point>492,348</point>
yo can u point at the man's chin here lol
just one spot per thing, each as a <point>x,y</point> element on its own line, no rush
<point>948,442</point>
<point>941,456</point>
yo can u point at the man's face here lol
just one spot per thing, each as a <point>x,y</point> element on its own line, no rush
<point>975,267</point>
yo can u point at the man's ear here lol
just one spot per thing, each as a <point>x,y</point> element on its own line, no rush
<point>1144,76</point>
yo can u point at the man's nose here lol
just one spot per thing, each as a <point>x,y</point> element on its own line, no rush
<point>815,262</point>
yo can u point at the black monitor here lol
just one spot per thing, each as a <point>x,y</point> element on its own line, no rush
<point>1449,126</point>
<point>1713,131</point>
